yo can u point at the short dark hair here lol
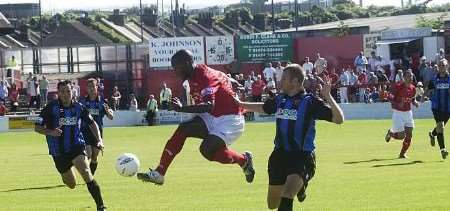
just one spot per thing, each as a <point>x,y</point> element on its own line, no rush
<point>64,83</point>
<point>92,80</point>
<point>182,56</point>
<point>295,71</point>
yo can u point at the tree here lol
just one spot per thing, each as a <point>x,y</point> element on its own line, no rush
<point>342,30</point>
<point>437,23</point>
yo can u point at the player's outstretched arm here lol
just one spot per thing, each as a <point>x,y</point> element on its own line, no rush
<point>96,131</point>
<point>108,111</point>
<point>177,106</point>
<point>268,107</point>
<point>338,115</point>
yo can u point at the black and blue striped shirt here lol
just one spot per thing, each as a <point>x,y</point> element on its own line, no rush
<point>440,100</point>
<point>296,120</point>
<point>68,119</point>
<point>96,109</point>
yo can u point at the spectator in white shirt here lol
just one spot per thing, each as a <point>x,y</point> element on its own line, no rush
<point>373,62</point>
<point>133,103</point>
<point>344,80</point>
<point>320,65</point>
<point>248,85</point>
<point>269,72</point>
<point>33,92</point>
<point>165,96</point>
<point>308,66</point>
<point>360,62</point>
<point>279,73</point>
<point>3,91</point>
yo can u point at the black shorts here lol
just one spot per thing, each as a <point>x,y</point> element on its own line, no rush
<point>284,163</point>
<point>89,137</point>
<point>64,162</point>
<point>440,116</point>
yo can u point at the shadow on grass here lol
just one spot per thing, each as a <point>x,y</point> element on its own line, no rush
<point>371,160</point>
<point>398,164</point>
<point>34,188</point>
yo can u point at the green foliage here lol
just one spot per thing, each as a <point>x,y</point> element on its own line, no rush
<point>437,23</point>
<point>342,29</point>
<point>94,23</point>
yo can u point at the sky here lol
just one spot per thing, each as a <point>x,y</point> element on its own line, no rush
<point>60,5</point>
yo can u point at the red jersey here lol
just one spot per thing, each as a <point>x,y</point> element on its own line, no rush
<point>207,84</point>
<point>402,96</point>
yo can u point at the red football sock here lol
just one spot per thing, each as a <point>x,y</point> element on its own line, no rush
<point>172,148</point>
<point>229,156</point>
<point>406,144</point>
<point>395,135</point>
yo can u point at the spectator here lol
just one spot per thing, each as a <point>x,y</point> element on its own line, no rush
<point>320,64</point>
<point>14,98</point>
<point>384,94</point>
<point>334,77</point>
<point>399,76</point>
<point>185,95</point>
<point>362,84</point>
<point>352,89</point>
<point>374,95</point>
<point>75,91</point>
<point>165,96</point>
<point>344,81</point>
<point>3,91</point>
<point>429,74</point>
<point>269,72</point>
<point>279,73</point>
<point>440,55</point>
<point>308,66</point>
<point>419,91</point>
<point>257,89</point>
<point>271,86</point>
<point>43,89</point>
<point>152,108</point>
<point>3,109</point>
<point>360,62</point>
<point>116,96</point>
<point>241,79</point>
<point>372,79</point>
<point>382,78</point>
<point>248,85</point>
<point>373,62</point>
<point>33,93</point>
<point>11,65</point>
<point>133,103</point>
<point>101,86</point>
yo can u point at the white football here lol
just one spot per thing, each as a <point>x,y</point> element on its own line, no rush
<point>127,165</point>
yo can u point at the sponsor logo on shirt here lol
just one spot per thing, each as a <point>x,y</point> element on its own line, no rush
<point>289,114</point>
<point>68,121</point>
<point>442,86</point>
<point>94,111</point>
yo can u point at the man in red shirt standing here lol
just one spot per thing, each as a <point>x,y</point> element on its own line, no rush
<point>219,122</point>
<point>401,97</point>
<point>258,87</point>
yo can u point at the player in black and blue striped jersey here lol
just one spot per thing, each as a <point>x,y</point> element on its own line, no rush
<point>98,108</point>
<point>440,105</point>
<point>60,122</point>
<point>292,163</point>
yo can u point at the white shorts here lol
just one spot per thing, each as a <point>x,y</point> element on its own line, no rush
<point>400,120</point>
<point>229,127</point>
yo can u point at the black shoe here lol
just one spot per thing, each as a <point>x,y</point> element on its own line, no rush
<point>432,139</point>
<point>101,208</point>
<point>249,171</point>
<point>402,156</point>
<point>301,195</point>
<point>444,153</point>
<point>387,138</point>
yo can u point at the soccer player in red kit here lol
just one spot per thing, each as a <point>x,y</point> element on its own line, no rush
<point>401,97</point>
<point>219,121</point>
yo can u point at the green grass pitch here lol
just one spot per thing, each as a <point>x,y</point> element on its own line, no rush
<point>356,170</point>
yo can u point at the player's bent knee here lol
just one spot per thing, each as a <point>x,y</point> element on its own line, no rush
<point>69,184</point>
<point>206,152</point>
